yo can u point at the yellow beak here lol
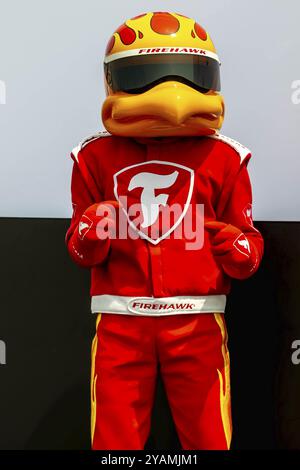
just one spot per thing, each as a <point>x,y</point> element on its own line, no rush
<point>170,108</point>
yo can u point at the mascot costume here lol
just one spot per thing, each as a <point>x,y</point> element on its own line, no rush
<point>159,287</point>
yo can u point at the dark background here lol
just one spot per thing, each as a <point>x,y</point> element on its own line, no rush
<point>46,324</point>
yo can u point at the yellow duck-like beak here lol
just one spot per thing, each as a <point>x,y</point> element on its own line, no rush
<point>168,109</point>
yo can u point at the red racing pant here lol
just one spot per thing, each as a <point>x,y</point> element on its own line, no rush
<point>194,363</point>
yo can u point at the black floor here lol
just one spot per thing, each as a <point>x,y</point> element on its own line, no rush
<point>46,324</point>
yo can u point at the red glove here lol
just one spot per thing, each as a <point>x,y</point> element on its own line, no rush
<point>89,245</point>
<point>232,249</point>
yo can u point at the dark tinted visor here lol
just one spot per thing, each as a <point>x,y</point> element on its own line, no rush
<point>135,74</point>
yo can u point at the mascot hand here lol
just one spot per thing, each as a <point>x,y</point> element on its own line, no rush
<point>90,242</point>
<point>98,222</point>
<point>231,248</point>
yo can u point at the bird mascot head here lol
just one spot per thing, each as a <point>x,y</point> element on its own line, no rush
<point>162,78</point>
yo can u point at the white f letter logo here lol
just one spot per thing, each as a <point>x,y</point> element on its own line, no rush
<point>149,202</point>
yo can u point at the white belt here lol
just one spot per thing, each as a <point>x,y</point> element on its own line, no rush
<point>158,306</point>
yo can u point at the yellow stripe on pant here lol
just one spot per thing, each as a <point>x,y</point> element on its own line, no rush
<point>225,403</point>
<point>94,380</point>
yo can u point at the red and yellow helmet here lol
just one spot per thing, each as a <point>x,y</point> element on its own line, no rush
<point>162,78</point>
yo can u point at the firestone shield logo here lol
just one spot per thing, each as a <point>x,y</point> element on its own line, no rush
<point>157,195</point>
<point>84,226</point>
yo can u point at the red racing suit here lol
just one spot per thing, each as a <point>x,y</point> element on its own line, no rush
<point>161,298</point>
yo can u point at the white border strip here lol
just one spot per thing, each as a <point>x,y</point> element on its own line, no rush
<point>162,50</point>
<point>239,148</point>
